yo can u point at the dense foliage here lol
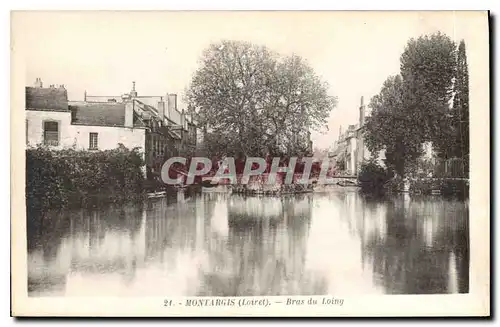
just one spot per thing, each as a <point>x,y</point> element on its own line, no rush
<point>249,100</point>
<point>393,128</point>
<point>428,66</point>
<point>377,180</point>
<point>70,177</point>
<point>448,187</point>
<point>415,107</point>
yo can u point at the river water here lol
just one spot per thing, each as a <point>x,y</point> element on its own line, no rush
<point>217,244</point>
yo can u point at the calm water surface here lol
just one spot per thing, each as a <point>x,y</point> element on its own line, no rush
<point>227,245</point>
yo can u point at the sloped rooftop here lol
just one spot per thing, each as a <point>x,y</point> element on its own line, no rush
<point>101,114</point>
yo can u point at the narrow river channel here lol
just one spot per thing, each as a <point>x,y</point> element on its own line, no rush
<point>217,244</point>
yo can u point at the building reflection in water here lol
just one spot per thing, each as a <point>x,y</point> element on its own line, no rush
<point>227,245</point>
<point>92,245</point>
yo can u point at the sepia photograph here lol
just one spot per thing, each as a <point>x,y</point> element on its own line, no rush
<point>267,163</point>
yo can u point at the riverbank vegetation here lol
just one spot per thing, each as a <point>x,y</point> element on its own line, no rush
<point>376,179</point>
<point>425,106</point>
<point>65,178</point>
<point>373,177</point>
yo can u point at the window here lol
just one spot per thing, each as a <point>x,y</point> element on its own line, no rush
<point>92,141</point>
<point>51,133</point>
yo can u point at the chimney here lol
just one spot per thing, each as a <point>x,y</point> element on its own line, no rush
<point>38,82</point>
<point>161,109</point>
<point>172,102</point>
<point>129,114</point>
<point>85,96</point>
<point>362,113</point>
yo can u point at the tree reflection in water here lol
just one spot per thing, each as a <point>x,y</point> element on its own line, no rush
<point>265,250</point>
<point>425,246</point>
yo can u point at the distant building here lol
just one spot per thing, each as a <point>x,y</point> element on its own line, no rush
<point>169,131</point>
<point>350,151</point>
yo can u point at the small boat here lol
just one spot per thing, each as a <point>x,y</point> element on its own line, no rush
<point>157,194</point>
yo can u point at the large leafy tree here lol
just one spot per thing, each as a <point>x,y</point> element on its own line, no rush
<point>454,138</point>
<point>391,127</point>
<point>248,100</point>
<point>428,67</point>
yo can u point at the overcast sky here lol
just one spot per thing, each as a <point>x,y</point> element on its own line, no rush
<point>103,52</point>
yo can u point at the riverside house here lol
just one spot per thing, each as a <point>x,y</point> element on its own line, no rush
<point>350,151</point>
<point>94,124</point>
<point>169,131</point>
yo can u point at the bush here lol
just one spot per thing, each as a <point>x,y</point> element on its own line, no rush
<point>372,177</point>
<point>423,186</point>
<point>81,178</point>
<point>455,187</point>
<point>395,184</point>
<point>444,186</point>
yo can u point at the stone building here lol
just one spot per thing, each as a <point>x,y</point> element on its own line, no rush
<point>153,124</point>
<point>51,120</point>
<point>349,151</point>
<point>169,131</point>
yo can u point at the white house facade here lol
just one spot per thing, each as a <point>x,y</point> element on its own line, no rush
<point>53,121</point>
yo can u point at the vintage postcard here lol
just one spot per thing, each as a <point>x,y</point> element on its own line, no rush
<point>241,163</point>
